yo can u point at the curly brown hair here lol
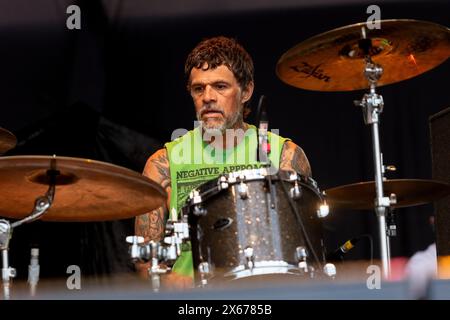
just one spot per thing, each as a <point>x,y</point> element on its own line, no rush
<point>218,51</point>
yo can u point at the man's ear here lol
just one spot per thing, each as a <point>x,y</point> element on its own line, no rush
<point>247,92</point>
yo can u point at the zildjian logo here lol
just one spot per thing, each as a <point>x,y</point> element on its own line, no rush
<point>311,71</point>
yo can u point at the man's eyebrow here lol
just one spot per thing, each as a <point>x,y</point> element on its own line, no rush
<point>199,83</point>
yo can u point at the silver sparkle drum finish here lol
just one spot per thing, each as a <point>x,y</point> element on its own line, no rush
<point>243,224</point>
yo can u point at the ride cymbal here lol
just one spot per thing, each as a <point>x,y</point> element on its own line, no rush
<point>334,61</point>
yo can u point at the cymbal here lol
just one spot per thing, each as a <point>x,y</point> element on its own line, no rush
<point>332,61</point>
<point>409,192</point>
<point>86,190</point>
<point>7,140</point>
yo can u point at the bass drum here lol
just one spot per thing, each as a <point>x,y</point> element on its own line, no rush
<point>249,224</point>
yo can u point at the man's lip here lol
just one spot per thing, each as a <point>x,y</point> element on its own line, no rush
<point>212,113</point>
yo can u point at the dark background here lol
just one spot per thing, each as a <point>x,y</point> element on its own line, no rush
<point>114,91</point>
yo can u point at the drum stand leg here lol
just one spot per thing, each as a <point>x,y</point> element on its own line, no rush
<point>372,105</point>
<point>41,205</point>
<point>154,274</point>
<point>155,271</point>
<point>7,271</point>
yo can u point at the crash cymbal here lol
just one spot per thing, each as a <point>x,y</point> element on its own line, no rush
<point>332,61</point>
<point>409,192</point>
<point>86,190</point>
<point>7,140</point>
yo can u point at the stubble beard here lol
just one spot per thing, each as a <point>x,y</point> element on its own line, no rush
<point>213,127</point>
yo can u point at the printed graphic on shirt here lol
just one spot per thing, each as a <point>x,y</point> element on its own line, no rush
<point>188,180</point>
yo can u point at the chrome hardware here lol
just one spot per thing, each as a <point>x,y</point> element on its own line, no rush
<point>155,269</point>
<point>302,255</point>
<point>296,191</point>
<point>293,176</point>
<point>249,263</point>
<point>243,190</point>
<point>323,210</point>
<point>223,183</point>
<point>135,248</point>
<point>205,272</point>
<point>383,202</point>
<point>330,270</point>
<point>393,198</point>
<point>199,211</point>
<point>196,200</point>
<point>195,197</point>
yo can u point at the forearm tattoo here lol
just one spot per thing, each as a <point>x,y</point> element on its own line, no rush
<point>160,162</point>
<point>151,225</point>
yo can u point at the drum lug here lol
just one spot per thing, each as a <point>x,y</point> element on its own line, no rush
<point>293,176</point>
<point>223,183</point>
<point>323,210</point>
<point>302,255</point>
<point>196,200</point>
<point>199,211</point>
<point>250,259</point>
<point>296,191</point>
<point>195,197</point>
<point>205,272</point>
<point>243,190</point>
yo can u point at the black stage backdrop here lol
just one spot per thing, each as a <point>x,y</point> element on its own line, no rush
<point>115,90</point>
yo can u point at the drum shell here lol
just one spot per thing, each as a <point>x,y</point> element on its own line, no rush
<point>233,223</point>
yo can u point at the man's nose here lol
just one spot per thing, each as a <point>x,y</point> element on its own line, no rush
<point>209,94</point>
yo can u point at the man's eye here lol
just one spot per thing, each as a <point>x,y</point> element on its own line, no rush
<point>221,86</point>
<point>197,89</point>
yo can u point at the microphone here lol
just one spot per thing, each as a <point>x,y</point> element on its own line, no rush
<point>343,249</point>
<point>263,123</point>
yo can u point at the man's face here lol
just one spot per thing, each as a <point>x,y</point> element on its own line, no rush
<point>218,98</point>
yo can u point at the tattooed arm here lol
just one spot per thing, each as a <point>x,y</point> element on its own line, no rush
<point>151,225</point>
<point>293,158</point>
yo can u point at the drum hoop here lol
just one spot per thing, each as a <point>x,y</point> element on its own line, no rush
<point>213,186</point>
<point>264,267</point>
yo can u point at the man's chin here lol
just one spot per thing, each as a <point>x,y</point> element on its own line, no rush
<point>213,125</point>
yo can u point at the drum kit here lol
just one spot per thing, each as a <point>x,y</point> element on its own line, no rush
<point>249,223</point>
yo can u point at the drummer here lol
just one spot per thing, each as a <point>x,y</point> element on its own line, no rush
<point>219,74</point>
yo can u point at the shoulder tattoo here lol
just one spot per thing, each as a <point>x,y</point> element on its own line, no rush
<point>293,158</point>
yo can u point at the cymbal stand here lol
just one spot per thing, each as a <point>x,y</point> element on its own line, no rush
<point>7,271</point>
<point>41,205</point>
<point>372,106</point>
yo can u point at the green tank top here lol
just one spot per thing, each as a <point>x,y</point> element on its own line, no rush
<point>193,162</point>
